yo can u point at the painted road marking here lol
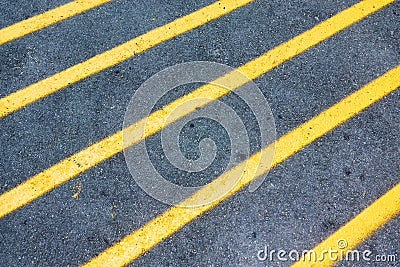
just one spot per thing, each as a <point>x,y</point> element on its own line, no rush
<point>47,18</point>
<point>359,228</point>
<point>83,160</point>
<point>109,58</point>
<point>162,226</point>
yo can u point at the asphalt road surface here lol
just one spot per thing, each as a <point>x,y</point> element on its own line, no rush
<point>302,201</point>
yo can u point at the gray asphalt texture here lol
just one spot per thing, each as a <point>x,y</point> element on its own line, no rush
<point>302,201</point>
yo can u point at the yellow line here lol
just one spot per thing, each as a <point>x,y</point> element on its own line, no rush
<point>58,81</point>
<point>83,160</point>
<point>359,228</point>
<point>162,226</point>
<point>47,18</point>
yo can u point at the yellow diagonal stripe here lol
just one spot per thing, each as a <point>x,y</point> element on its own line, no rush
<point>47,18</point>
<point>162,226</point>
<point>68,168</point>
<point>359,228</point>
<point>58,81</point>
